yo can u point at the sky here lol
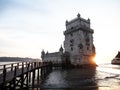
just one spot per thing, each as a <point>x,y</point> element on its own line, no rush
<point>29,26</point>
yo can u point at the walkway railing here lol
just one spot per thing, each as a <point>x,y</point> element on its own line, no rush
<point>25,71</point>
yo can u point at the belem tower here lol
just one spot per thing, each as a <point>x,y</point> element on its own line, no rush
<point>78,44</point>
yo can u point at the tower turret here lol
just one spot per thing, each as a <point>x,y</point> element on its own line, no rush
<point>42,54</point>
<point>61,50</point>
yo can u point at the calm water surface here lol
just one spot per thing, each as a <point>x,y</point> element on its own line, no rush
<point>104,77</point>
<point>2,63</point>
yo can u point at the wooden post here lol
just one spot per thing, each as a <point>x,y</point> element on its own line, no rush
<point>33,78</point>
<point>34,65</point>
<point>38,76</point>
<point>17,65</point>
<point>30,65</point>
<point>41,72</point>
<point>11,67</point>
<point>29,77</point>
<point>4,77</point>
<point>22,75</point>
<point>14,81</point>
<point>4,73</point>
<point>27,81</point>
<point>15,71</point>
<point>22,67</point>
<point>26,64</point>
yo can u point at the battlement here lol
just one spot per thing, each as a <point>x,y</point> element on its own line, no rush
<point>78,21</point>
<point>52,54</point>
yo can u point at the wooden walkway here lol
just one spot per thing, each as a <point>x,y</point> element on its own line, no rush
<point>25,71</point>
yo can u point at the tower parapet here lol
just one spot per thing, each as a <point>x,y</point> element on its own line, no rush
<point>78,23</point>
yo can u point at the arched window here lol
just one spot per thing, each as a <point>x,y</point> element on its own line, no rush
<point>80,46</point>
<point>71,48</point>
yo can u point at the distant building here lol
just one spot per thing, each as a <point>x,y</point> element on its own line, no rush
<point>78,44</point>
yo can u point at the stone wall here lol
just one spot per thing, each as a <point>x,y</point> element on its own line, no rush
<point>54,57</point>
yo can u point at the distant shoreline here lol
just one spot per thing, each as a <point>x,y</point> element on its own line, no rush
<point>17,59</point>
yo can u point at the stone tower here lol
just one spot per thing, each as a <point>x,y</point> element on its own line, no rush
<point>79,41</point>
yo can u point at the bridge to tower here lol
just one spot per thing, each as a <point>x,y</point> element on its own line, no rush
<point>26,74</point>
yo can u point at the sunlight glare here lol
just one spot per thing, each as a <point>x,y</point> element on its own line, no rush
<point>101,59</point>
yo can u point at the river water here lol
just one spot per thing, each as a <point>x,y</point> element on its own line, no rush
<point>103,77</point>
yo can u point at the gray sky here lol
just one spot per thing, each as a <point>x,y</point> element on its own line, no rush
<point>28,26</point>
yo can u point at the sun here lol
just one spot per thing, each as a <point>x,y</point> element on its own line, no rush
<point>96,60</point>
